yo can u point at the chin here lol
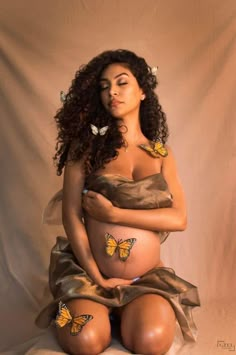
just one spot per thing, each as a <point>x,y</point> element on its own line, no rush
<point>116,114</point>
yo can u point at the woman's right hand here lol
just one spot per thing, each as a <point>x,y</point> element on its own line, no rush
<point>113,282</point>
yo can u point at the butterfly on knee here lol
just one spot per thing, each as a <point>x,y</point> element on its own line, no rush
<point>123,247</point>
<point>77,323</point>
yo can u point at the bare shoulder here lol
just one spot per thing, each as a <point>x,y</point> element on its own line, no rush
<point>168,162</point>
<point>170,174</point>
<point>73,184</point>
<point>74,171</point>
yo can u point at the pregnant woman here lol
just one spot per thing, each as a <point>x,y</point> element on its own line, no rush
<point>121,197</point>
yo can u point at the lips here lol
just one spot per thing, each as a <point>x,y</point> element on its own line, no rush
<point>114,103</point>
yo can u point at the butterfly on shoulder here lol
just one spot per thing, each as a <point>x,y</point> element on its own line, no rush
<point>155,149</point>
<point>77,323</point>
<point>101,131</point>
<point>123,247</point>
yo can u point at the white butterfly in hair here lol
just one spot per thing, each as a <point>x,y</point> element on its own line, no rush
<point>154,70</point>
<point>62,96</point>
<point>101,131</point>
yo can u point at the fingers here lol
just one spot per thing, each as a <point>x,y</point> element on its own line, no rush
<point>88,198</point>
<point>90,193</point>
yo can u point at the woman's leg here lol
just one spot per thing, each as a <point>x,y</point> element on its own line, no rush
<point>95,335</point>
<point>148,325</point>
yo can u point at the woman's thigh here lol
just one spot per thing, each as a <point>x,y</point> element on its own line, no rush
<point>148,325</point>
<point>95,335</point>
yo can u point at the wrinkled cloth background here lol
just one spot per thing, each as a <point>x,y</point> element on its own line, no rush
<point>193,42</point>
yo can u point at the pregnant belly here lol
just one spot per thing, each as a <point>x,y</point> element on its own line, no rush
<point>144,253</point>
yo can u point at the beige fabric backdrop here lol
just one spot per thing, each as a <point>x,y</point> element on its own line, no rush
<point>193,42</point>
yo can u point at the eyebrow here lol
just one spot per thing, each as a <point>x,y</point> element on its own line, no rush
<point>117,76</point>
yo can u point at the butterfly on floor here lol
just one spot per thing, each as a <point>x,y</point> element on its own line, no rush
<point>77,323</point>
<point>155,149</point>
<point>101,131</point>
<point>123,247</point>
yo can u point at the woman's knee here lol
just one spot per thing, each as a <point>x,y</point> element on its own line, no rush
<point>94,335</point>
<point>155,341</point>
<point>88,342</point>
<point>148,325</point>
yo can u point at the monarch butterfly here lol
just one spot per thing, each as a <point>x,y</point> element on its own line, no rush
<point>77,323</point>
<point>156,149</point>
<point>122,246</point>
<point>101,131</point>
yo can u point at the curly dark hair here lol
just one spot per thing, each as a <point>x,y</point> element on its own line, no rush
<point>82,106</point>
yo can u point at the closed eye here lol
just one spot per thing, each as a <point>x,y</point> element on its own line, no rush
<point>103,88</point>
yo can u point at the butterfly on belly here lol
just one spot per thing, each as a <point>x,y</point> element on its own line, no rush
<point>155,149</point>
<point>123,247</point>
<point>77,323</point>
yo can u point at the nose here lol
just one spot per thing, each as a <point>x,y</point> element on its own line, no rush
<point>113,91</point>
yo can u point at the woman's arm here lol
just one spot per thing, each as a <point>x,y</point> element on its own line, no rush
<point>72,219</point>
<point>162,219</point>
<point>75,229</point>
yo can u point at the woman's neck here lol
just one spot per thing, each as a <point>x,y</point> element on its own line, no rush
<point>131,132</point>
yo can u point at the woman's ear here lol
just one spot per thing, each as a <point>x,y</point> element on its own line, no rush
<point>143,96</point>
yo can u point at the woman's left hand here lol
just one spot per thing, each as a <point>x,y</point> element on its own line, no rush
<point>98,206</point>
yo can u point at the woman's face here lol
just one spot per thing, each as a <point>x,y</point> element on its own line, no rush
<point>120,92</point>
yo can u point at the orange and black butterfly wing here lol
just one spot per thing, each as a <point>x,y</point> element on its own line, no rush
<point>79,322</point>
<point>63,316</point>
<point>111,244</point>
<point>124,248</point>
<point>155,149</point>
<point>149,150</point>
<point>160,149</point>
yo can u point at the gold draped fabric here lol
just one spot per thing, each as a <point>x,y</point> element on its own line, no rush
<point>147,193</point>
<point>68,280</point>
